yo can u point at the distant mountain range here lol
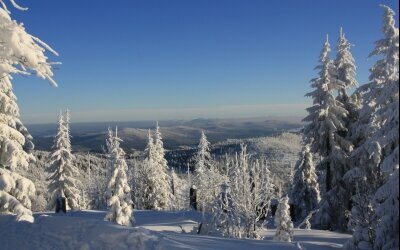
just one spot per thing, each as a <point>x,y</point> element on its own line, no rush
<point>177,134</point>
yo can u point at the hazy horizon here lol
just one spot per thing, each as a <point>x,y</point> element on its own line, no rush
<point>287,118</point>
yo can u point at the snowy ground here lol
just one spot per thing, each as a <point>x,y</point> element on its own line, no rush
<point>153,230</point>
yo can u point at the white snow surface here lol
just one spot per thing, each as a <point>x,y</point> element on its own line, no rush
<point>153,230</point>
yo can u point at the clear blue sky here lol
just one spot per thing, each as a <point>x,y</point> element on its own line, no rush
<point>140,60</point>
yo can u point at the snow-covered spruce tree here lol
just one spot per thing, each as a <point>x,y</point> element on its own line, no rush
<point>305,189</point>
<point>158,193</point>
<point>205,175</point>
<point>283,222</point>
<point>386,199</point>
<point>325,135</point>
<point>63,182</point>
<point>118,190</point>
<point>376,159</point>
<point>20,53</point>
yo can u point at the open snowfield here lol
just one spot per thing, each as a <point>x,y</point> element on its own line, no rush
<point>153,230</point>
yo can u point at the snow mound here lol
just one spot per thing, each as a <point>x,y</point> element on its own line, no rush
<point>159,230</point>
<point>74,230</point>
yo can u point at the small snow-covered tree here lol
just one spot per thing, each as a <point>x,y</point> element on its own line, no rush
<point>118,190</point>
<point>23,54</point>
<point>158,193</point>
<point>305,189</point>
<point>63,173</point>
<point>251,190</point>
<point>283,222</point>
<point>206,175</point>
<point>224,221</point>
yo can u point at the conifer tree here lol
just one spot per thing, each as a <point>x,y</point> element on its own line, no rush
<point>345,75</point>
<point>305,188</point>
<point>204,175</point>
<point>374,216</point>
<point>118,190</point>
<point>16,191</point>
<point>158,181</point>
<point>283,222</point>
<point>325,134</point>
<point>63,182</point>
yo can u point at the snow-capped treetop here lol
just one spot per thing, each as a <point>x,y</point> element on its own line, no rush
<point>327,115</point>
<point>109,141</point>
<point>159,151</point>
<point>149,148</point>
<point>385,69</point>
<point>388,47</point>
<point>322,84</point>
<point>60,138</point>
<point>381,104</point>
<point>345,65</point>
<point>67,121</point>
<point>203,157</point>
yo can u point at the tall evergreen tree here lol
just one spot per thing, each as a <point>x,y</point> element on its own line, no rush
<point>386,198</point>
<point>376,159</point>
<point>16,191</point>
<point>118,190</point>
<point>325,134</point>
<point>63,182</point>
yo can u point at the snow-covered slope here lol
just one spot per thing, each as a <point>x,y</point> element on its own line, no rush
<point>153,230</point>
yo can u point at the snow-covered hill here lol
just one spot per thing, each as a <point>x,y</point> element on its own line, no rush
<point>153,230</point>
